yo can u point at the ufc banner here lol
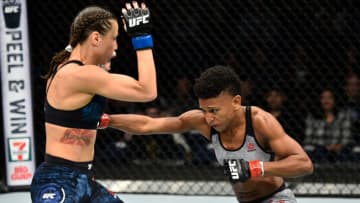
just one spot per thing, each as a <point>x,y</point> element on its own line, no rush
<point>16,93</point>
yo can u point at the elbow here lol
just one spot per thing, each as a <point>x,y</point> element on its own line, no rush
<point>308,167</point>
<point>149,97</point>
<point>311,168</point>
<point>152,96</point>
<point>146,92</point>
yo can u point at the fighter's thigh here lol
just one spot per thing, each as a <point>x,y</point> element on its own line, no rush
<point>284,196</point>
<point>100,194</point>
<point>54,187</point>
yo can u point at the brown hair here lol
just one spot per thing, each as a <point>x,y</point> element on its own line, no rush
<point>88,20</point>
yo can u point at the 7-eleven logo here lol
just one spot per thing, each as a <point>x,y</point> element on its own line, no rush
<point>19,149</point>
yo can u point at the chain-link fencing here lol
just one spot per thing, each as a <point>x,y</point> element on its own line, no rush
<point>287,53</point>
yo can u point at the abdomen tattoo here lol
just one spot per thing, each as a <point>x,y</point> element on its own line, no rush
<point>78,137</point>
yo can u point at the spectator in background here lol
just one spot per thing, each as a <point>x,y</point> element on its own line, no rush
<point>247,91</point>
<point>166,149</point>
<point>352,95</point>
<point>352,59</point>
<point>293,124</point>
<point>249,75</point>
<point>328,130</point>
<point>182,98</point>
<point>352,106</point>
<point>300,78</point>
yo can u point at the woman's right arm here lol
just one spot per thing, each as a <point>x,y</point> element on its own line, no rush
<point>122,87</point>
<point>147,72</point>
<point>140,124</point>
<point>95,80</point>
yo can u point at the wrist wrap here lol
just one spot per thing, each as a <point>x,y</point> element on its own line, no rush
<point>256,168</point>
<point>142,42</point>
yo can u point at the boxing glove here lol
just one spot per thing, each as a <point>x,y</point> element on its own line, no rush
<point>241,170</point>
<point>104,121</point>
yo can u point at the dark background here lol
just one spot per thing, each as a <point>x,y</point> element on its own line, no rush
<point>266,41</point>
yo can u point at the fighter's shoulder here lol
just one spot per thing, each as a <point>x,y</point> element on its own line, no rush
<point>90,74</point>
<point>79,72</point>
<point>257,111</point>
<point>90,69</point>
<point>259,115</point>
<point>193,115</point>
<point>195,120</point>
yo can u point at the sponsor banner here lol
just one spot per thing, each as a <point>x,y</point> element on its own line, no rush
<point>19,149</point>
<point>16,93</point>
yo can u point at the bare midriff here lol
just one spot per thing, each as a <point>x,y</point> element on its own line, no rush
<point>70,143</point>
<point>257,188</point>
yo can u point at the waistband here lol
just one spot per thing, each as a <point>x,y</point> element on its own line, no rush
<point>86,167</point>
<point>281,188</point>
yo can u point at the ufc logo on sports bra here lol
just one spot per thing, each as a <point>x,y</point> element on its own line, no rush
<point>136,21</point>
<point>233,170</point>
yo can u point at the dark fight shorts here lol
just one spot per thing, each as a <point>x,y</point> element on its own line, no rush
<point>62,181</point>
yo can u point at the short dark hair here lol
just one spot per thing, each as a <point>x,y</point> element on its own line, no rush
<point>215,80</point>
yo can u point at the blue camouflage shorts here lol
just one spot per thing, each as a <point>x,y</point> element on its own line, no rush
<point>59,183</point>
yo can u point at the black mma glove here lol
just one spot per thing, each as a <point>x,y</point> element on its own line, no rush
<point>241,170</point>
<point>137,23</point>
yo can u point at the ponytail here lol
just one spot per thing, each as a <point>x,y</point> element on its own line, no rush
<point>55,61</point>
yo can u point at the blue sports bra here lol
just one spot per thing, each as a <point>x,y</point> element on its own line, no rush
<point>86,117</point>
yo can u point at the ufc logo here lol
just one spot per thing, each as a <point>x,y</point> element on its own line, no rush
<point>136,21</point>
<point>49,196</point>
<point>12,9</point>
<point>233,169</point>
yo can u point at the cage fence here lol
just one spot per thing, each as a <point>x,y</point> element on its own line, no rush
<point>293,51</point>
